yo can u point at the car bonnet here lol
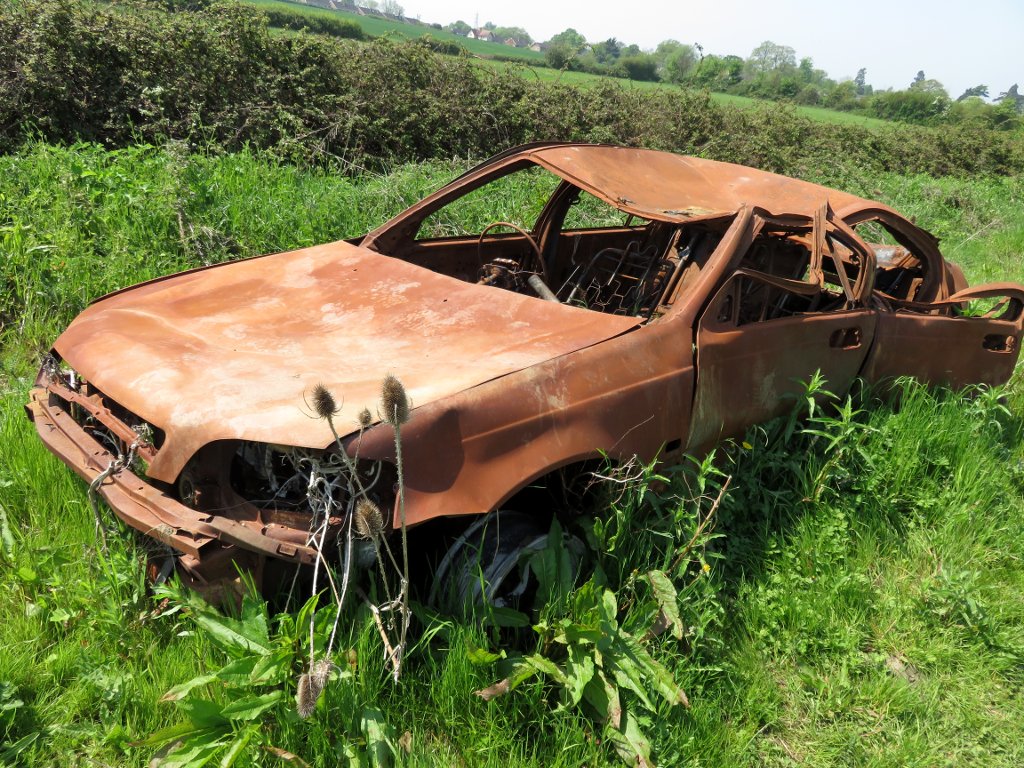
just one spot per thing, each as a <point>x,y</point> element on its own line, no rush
<point>234,352</point>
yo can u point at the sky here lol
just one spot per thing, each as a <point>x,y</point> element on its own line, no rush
<point>959,43</point>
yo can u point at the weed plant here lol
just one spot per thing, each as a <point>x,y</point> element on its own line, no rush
<point>856,598</point>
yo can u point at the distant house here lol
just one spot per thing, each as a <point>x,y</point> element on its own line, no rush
<point>481,34</point>
<point>511,41</point>
<point>538,47</point>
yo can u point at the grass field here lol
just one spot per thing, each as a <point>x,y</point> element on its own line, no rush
<point>586,79</point>
<point>862,602</point>
<point>379,27</point>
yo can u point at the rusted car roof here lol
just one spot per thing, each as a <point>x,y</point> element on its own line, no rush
<point>227,352</point>
<point>659,184</point>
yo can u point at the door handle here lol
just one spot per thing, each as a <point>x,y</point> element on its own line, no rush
<point>845,338</point>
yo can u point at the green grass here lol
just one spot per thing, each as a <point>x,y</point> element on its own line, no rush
<point>589,80</point>
<point>864,603</point>
<point>376,26</point>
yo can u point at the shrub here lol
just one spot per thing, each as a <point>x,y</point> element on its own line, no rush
<point>124,73</point>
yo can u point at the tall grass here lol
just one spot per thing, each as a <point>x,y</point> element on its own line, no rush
<point>863,603</point>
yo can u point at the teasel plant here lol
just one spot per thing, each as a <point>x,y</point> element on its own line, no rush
<point>395,411</point>
<point>365,519</point>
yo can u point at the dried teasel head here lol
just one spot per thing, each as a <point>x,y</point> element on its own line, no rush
<point>311,685</point>
<point>368,519</point>
<point>305,700</point>
<point>394,401</point>
<point>323,402</point>
<point>365,418</point>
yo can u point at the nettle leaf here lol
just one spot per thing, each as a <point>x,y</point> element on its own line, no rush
<point>181,691</point>
<point>239,671</point>
<point>519,674</point>
<point>547,667</point>
<point>553,567</point>
<point>629,676</point>
<point>653,671</point>
<point>249,634</point>
<point>630,742</point>
<point>579,671</point>
<point>603,697</point>
<point>481,657</point>
<point>196,751</point>
<point>6,537</point>
<point>203,713</point>
<point>273,668</point>
<point>379,748</point>
<point>609,610</point>
<point>507,617</point>
<point>170,734</point>
<point>668,603</point>
<point>236,748</point>
<point>252,707</point>
<point>572,634</point>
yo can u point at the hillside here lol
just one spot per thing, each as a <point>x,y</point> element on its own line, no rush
<point>379,26</point>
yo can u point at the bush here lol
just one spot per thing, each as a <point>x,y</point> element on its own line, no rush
<point>120,74</point>
<point>315,23</point>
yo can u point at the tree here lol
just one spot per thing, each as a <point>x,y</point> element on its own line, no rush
<point>608,51</point>
<point>520,35</point>
<point>717,72</point>
<point>978,90</point>
<point>769,57</point>
<point>680,64</point>
<point>919,77</point>
<point>861,80</point>
<point>559,56</point>
<point>459,27</point>
<point>807,69</point>
<point>914,105</point>
<point>930,86</point>
<point>642,66</point>
<point>1014,97</point>
<point>392,8</point>
<point>571,39</point>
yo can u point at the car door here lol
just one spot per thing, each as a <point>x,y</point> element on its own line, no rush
<point>950,342</point>
<point>793,306</point>
<point>922,331</point>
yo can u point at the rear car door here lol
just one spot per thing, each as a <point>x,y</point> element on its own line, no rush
<point>972,337</point>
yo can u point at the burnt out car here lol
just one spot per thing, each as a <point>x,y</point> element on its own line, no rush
<point>608,301</point>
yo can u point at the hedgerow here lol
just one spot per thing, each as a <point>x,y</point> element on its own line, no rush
<point>117,74</point>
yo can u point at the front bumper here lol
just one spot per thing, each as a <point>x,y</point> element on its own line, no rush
<point>207,543</point>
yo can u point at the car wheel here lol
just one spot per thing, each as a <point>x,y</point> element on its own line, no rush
<point>487,564</point>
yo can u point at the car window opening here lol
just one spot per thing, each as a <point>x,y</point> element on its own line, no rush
<point>560,243</point>
<point>900,269</point>
<point>776,278</point>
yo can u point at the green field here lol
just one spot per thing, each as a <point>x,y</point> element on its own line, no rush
<point>378,27</point>
<point>588,80</point>
<point>397,30</point>
<point>859,600</point>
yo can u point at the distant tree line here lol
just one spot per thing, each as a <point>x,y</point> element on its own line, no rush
<point>773,72</point>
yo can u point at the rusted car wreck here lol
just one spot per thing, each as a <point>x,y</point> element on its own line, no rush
<point>639,304</point>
